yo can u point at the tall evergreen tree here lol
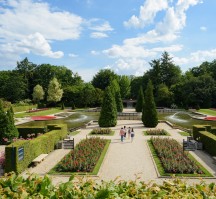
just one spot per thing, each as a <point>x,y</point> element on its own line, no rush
<point>117,95</point>
<point>7,126</point>
<point>12,131</point>
<point>108,114</point>
<point>140,100</point>
<point>149,114</point>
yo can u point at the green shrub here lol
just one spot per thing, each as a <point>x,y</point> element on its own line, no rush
<point>101,131</point>
<point>32,148</point>
<point>25,131</point>
<point>205,134</point>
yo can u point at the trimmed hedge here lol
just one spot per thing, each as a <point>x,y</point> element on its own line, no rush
<point>32,148</point>
<point>24,131</point>
<point>204,134</point>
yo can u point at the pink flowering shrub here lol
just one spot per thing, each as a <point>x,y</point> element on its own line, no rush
<point>2,159</point>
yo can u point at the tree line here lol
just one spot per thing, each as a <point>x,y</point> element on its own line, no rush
<point>171,87</point>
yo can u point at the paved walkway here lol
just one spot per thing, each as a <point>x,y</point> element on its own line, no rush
<point>127,159</point>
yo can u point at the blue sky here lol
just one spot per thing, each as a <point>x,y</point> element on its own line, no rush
<point>123,35</point>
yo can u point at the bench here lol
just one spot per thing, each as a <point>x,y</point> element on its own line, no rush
<point>39,159</point>
<point>214,158</point>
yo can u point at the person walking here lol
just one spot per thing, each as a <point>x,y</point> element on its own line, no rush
<point>132,135</point>
<point>125,132</point>
<point>129,133</point>
<point>121,133</point>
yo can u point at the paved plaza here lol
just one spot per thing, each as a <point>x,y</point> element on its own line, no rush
<point>127,160</point>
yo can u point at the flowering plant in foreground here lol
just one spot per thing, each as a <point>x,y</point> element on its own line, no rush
<point>156,132</point>
<point>17,186</point>
<point>172,157</point>
<point>84,157</point>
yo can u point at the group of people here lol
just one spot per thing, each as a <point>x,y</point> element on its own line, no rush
<point>124,131</point>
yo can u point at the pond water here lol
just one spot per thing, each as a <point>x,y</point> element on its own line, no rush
<point>74,120</point>
<point>184,119</point>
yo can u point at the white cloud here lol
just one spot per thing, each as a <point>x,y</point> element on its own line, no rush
<point>37,44</point>
<point>93,52</point>
<point>105,26</point>
<point>172,48</point>
<point>72,55</point>
<point>196,58</point>
<point>203,28</point>
<point>98,35</point>
<point>147,13</point>
<point>28,26</point>
<point>26,17</point>
<point>128,51</point>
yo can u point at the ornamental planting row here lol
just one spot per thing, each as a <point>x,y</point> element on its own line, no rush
<point>172,157</point>
<point>156,132</point>
<point>84,157</point>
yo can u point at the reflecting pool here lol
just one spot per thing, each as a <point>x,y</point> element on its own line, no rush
<point>74,120</point>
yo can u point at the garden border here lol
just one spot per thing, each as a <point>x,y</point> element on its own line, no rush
<point>170,175</point>
<point>91,174</point>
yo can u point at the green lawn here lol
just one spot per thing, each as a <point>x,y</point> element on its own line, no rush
<point>207,112</point>
<point>39,113</point>
<point>184,133</point>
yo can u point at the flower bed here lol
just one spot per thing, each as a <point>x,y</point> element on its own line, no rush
<point>41,118</point>
<point>172,157</point>
<point>210,118</point>
<point>84,157</point>
<point>156,132</point>
<point>101,131</point>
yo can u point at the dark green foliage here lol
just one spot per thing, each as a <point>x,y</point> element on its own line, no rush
<point>149,113</point>
<point>119,104</point>
<point>32,148</point>
<point>12,131</point>
<point>108,114</point>
<point>62,106</point>
<point>140,100</point>
<point>206,135</point>
<point>8,129</point>
<point>117,95</point>
<point>103,78</point>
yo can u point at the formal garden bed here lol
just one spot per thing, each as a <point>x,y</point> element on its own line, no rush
<point>102,131</point>
<point>156,132</point>
<point>86,158</point>
<point>170,159</point>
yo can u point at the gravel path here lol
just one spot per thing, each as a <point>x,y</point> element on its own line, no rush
<point>127,160</point>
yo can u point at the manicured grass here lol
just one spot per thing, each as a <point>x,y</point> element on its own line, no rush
<point>110,134</point>
<point>95,170</point>
<point>207,112</point>
<point>39,113</point>
<point>74,133</point>
<point>161,169</point>
<point>184,133</point>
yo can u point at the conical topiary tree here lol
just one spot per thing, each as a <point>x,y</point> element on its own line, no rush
<point>140,100</point>
<point>149,113</point>
<point>117,95</point>
<point>7,126</point>
<point>108,114</point>
<point>12,131</point>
